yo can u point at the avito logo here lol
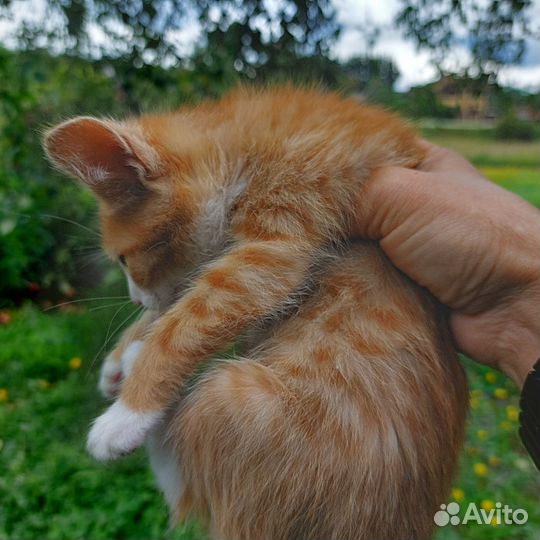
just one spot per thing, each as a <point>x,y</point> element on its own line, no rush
<point>450,514</point>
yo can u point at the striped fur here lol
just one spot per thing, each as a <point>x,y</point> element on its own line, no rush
<point>344,416</point>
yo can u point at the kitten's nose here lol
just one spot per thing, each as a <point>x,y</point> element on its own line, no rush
<point>137,302</point>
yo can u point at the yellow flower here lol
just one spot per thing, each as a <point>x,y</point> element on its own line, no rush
<point>494,461</point>
<point>480,469</point>
<point>512,413</point>
<point>458,494</point>
<point>4,394</point>
<point>482,434</point>
<point>490,377</point>
<point>75,363</point>
<point>43,384</point>
<point>471,450</point>
<point>474,398</point>
<point>506,425</point>
<point>501,393</point>
<point>487,505</point>
<point>494,521</point>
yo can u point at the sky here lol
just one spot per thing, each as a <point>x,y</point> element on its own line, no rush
<point>355,15</point>
<point>414,65</point>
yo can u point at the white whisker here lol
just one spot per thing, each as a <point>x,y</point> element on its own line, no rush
<point>107,306</point>
<point>109,336</point>
<point>96,233</point>
<point>60,218</point>
<point>87,300</point>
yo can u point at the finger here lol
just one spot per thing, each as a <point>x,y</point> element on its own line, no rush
<point>439,159</point>
<point>387,197</point>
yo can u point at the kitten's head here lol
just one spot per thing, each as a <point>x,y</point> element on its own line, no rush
<point>146,206</point>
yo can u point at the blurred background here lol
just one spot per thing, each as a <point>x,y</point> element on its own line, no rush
<point>466,72</point>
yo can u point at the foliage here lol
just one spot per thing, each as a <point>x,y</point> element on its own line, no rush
<point>253,33</point>
<point>494,31</point>
<point>423,101</point>
<point>36,250</point>
<point>511,127</point>
<point>264,38</point>
<point>49,487</point>
<point>364,70</point>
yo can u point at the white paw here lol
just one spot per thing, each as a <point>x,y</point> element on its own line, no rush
<point>113,371</point>
<point>119,431</point>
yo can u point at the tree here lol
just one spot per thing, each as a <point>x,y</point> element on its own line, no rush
<point>264,37</point>
<point>364,69</point>
<point>252,34</point>
<point>494,31</point>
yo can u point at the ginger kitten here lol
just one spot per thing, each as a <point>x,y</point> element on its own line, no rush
<point>344,415</point>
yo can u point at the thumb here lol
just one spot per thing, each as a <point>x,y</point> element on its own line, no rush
<point>386,200</point>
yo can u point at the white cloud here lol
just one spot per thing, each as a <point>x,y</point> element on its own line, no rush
<point>524,77</point>
<point>415,66</point>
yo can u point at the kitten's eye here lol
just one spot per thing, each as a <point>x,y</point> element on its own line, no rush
<point>122,260</point>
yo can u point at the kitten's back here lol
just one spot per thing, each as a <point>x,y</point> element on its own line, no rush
<point>346,423</point>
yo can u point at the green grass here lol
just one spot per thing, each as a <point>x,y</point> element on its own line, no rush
<point>521,180</point>
<point>494,467</point>
<point>50,488</point>
<point>483,150</point>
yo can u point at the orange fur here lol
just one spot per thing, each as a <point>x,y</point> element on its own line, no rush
<point>345,418</point>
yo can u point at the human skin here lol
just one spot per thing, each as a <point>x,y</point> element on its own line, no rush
<point>474,245</point>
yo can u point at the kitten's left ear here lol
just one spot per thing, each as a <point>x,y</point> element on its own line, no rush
<point>113,160</point>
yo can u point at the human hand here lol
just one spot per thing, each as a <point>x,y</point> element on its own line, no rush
<point>474,245</point>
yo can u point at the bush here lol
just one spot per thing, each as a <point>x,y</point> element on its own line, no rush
<point>512,128</point>
<point>46,220</point>
<point>423,102</point>
<point>36,244</point>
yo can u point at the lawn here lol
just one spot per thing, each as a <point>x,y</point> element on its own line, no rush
<point>50,489</point>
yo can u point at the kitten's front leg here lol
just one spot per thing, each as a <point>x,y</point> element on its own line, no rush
<point>119,431</point>
<point>251,281</point>
<point>116,368</point>
<point>119,362</point>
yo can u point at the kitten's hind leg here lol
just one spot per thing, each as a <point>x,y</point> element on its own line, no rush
<point>164,463</point>
<point>258,460</point>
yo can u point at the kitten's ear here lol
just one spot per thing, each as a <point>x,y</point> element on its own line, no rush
<point>111,159</point>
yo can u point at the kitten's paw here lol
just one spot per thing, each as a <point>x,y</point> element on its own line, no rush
<point>114,371</point>
<point>110,378</point>
<point>119,431</point>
